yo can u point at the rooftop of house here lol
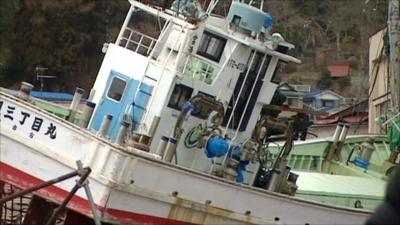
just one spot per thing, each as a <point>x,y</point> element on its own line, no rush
<point>353,114</point>
<point>316,93</point>
<point>339,70</point>
<point>52,96</point>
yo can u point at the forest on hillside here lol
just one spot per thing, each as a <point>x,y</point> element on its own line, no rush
<point>66,37</point>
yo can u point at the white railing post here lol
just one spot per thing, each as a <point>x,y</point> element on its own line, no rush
<point>140,43</point>
<point>129,38</point>
<point>126,22</point>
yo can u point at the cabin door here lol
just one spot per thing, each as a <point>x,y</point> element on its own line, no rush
<point>116,99</point>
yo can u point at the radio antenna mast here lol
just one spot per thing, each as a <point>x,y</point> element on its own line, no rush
<point>39,71</point>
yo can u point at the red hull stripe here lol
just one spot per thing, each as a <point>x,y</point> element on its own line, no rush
<point>23,180</point>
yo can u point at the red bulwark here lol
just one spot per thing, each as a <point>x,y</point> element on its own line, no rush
<point>23,180</point>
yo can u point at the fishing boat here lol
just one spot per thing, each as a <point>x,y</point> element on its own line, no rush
<point>171,132</point>
<point>346,178</point>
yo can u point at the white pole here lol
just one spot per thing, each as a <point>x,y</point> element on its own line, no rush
<point>249,97</point>
<point>240,92</point>
<point>126,22</point>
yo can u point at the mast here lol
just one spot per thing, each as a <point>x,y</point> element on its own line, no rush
<point>394,45</point>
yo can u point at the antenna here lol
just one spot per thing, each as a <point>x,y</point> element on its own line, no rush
<point>39,71</point>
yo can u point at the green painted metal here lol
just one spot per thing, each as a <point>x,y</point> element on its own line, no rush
<point>56,109</point>
<point>309,155</point>
<point>339,182</point>
<point>50,107</point>
<point>341,190</point>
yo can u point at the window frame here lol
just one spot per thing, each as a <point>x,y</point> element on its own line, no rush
<point>122,93</point>
<point>182,89</point>
<point>203,52</point>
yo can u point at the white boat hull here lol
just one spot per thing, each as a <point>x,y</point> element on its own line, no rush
<point>130,186</point>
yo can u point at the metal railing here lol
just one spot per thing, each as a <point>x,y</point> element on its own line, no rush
<point>14,211</point>
<point>137,42</point>
<point>82,172</point>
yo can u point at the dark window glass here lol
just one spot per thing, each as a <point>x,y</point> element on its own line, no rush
<point>203,112</point>
<point>116,89</point>
<point>179,96</point>
<point>211,46</point>
<point>328,103</point>
<point>276,76</point>
<point>245,95</point>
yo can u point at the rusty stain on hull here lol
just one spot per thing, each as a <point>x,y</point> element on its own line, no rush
<point>198,213</point>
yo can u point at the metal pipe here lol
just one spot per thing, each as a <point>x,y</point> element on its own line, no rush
<point>343,134</point>
<point>25,91</point>
<point>336,135</point>
<point>37,187</point>
<point>105,125</point>
<point>170,150</point>
<point>162,145</point>
<point>84,175</point>
<point>122,133</point>
<point>89,195</point>
<point>73,108</point>
<point>87,114</point>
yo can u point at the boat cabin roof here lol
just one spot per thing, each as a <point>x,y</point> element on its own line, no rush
<point>214,27</point>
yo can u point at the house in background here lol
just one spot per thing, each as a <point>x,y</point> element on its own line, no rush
<point>355,115</point>
<point>339,70</point>
<point>324,100</point>
<point>294,94</point>
<point>338,108</point>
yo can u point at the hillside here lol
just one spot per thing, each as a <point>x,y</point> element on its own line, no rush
<point>66,36</point>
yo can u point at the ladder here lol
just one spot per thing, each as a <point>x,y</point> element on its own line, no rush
<point>144,89</point>
<point>143,94</point>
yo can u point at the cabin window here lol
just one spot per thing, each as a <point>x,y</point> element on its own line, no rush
<point>247,94</point>
<point>116,89</point>
<point>236,20</point>
<point>211,46</point>
<point>179,96</point>
<point>200,70</point>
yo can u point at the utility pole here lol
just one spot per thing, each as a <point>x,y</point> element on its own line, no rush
<point>394,64</point>
<point>394,45</point>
